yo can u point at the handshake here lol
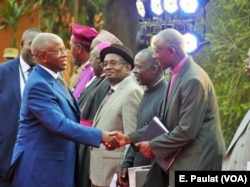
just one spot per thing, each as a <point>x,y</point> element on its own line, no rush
<point>114,140</point>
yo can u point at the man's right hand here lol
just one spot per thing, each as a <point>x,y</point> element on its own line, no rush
<point>110,142</point>
<point>123,139</point>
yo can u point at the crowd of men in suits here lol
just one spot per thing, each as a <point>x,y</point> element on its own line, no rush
<point>52,135</point>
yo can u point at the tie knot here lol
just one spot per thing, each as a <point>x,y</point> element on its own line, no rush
<point>29,70</point>
<point>111,90</point>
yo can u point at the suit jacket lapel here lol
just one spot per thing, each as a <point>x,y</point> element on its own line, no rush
<point>111,100</point>
<point>105,106</point>
<point>175,86</point>
<point>240,130</point>
<point>51,80</point>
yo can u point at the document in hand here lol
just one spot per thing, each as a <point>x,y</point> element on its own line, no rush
<point>154,129</point>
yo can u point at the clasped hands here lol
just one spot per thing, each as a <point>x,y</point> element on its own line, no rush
<point>114,140</point>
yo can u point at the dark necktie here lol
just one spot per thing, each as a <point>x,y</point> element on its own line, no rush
<point>63,84</point>
<point>111,90</point>
<point>29,70</point>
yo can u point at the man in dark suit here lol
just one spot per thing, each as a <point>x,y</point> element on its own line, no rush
<point>98,72</point>
<point>148,73</point>
<point>13,76</point>
<point>46,148</point>
<point>190,114</point>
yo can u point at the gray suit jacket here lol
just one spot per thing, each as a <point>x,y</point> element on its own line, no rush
<point>237,154</point>
<point>192,117</point>
<point>118,113</point>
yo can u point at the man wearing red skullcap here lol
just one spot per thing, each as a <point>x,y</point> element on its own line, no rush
<point>80,42</point>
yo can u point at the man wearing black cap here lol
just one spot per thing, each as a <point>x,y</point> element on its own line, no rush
<point>117,112</point>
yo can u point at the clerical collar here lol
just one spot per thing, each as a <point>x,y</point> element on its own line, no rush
<point>158,81</point>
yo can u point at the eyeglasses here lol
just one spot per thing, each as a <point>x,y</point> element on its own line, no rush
<point>60,52</point>
<point>111,63</point>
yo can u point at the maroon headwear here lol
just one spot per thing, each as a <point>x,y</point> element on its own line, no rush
<point>83,34</point>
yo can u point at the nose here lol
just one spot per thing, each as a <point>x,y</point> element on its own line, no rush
<point>134,70</point>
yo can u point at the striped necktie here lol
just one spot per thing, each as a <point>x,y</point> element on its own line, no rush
<point>63,84</point>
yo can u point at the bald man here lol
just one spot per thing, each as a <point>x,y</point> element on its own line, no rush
<point>49,128</point>
<point>190,114</point>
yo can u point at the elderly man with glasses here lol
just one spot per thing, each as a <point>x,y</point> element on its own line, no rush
<point>118,111</point>
<point>45,153</point>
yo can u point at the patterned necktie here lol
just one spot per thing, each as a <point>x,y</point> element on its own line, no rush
<point>63,84</point>
<point>111,90</point>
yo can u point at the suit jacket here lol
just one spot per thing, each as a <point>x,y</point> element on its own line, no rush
<point>150,106</point>
<point>94,100</point>
<point>90,99</point>
<point>192,117</point>
<point>118,113</point>
<point>10,99</point>
<point>89,90</point>
<point>48,130</point>
<point>237,154</point>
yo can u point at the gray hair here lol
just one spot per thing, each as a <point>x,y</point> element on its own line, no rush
<point>171,37</point>
<point>147,54</point>
<point>43,42</point>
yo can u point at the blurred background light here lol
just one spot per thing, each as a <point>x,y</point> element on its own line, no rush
<point>157,15</point>
<point>192,42</point>
<point>156,7</point>
<point>189,6</point>
<point>140,8</point>
<point>170,6</point>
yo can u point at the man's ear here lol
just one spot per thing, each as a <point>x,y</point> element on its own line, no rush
<point>171,50</point>
<point>79,48</point>
<point>42,57</point>
<point>155,68</point>
<point>21,43</point>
